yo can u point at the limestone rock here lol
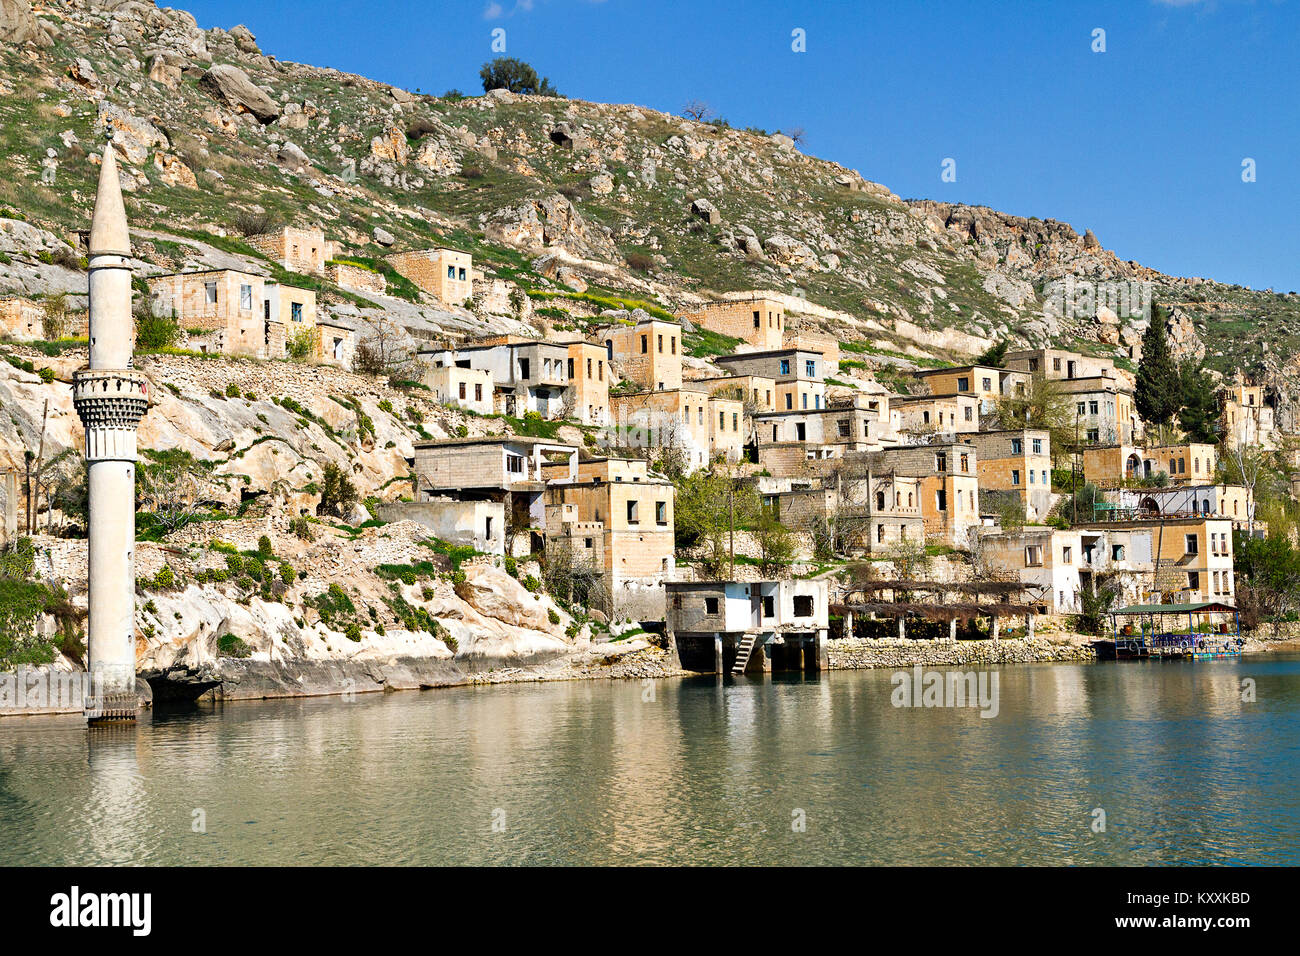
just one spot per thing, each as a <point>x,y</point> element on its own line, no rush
<point>244,39</point>
<point>134,136</point>
<point>18,23</point>
<point>164,73</point>
<point>83,73</point>
<point>172,171</point>
<point>602,184</point>
<point>232,85</point>
<point>706,211</point>
<point>391,146</point>
<point>292,157</point>
<point>382,236</point>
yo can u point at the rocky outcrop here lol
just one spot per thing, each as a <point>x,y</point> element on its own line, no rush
<point>232,86</point>
<point>18,23</point>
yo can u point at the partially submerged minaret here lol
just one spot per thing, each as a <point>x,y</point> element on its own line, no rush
<point>110,398</point>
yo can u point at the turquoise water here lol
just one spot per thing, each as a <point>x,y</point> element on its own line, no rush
<point>702,772</point>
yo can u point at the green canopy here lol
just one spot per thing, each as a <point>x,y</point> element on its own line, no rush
<point>1213,606</point>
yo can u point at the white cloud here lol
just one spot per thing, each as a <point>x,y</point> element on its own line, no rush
<point>493,11</point>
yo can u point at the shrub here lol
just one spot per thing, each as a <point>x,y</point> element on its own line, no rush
<point>232,390</point>
<point>353,631</point>
<point>231,646</point>
<point>264,546</point>
<point>552,616</point>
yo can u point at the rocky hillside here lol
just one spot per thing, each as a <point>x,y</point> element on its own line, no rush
<point>551,195</point>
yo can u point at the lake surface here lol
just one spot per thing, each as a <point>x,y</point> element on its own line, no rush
<point>703,773</point>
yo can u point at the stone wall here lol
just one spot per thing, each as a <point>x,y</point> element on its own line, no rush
<point>354,277</point>
<point>858,653</point>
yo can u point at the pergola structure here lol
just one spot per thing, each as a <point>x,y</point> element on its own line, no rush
<point>1155,630</point>
<point>950,601</point>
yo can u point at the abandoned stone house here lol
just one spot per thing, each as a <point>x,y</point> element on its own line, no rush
<point>508,470</point>
<point>799,375</point>
<point>648,353</point>
<point>588,383</point>
<point>1246,417</point>
<point>984,382</point>
<point>1016,462</point>
<point>479,524</point>
<point>1112,464</point>
<point>924,416</point>
<point>618,515</point>
<point>446,274</point>
<point>758,320</point>
<point>527,375</point>
<point>297,249</point>
<point>236,313</point>
<point>758,392</point>
<point>869,512</point>
<point>461,387</point>
<point>949,473</point>
<point>687,422</point>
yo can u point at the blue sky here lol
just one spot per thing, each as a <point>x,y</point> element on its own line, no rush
<point>1142,143</point>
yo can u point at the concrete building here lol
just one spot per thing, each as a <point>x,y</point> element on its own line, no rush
<point>527,375</point>
<point>479,524</point>
<point>648,353</point>
<point>758,320</point>
<point>110,399</point>
<point>984,382</point>
<point>1018,463</point>
<point>444,273</point>
<point>298,250</point>
<point>21,319</point>
<point>508,470</point>
<point>617,514</point>
<point>799,375</point>
<point>749,627</point>
<point>235,313</point>
<point>467,388</point>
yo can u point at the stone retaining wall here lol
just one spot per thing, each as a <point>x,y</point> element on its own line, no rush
<point>860,653</point>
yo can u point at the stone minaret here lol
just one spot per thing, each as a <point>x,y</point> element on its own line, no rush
<point>111,398</point>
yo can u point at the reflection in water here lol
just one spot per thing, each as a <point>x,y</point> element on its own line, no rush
<point>704,772</point>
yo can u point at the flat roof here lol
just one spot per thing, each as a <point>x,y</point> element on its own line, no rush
<point>967,368</point>
<point>1174,608</point>
<point>765,353</point>
<point>493,440</point>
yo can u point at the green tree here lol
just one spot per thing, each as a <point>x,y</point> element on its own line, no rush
<point>1158,395</point>
<point>775,543</point>
<point>153,331</point>
<point>1199,416</point>
<point>507,73</point>
<point>1268,578</point>
<point>705,503</point>
<point>337,493</point>
<point>1043,405</point>
<point>994,355</point>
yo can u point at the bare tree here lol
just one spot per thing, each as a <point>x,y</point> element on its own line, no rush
<point>168,487</point>
<point>797,133</point>
<point>384,351</point>
<point>697,110</point>
<point>1245,467</point>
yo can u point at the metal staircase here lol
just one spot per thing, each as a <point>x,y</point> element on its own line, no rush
<point>744,650</point>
